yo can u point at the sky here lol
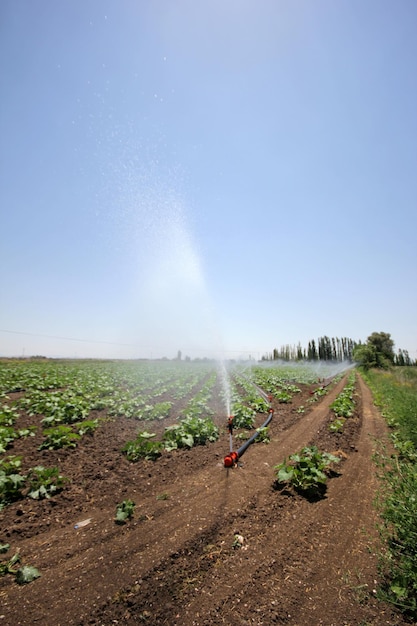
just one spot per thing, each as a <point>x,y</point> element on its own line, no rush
<point>223,176</point>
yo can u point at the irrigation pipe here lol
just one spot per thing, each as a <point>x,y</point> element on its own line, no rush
<point>232,458</point>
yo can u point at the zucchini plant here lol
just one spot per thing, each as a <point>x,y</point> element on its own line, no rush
<point>143,447</point>
<point>124,511</point>
<point>59,437</point>
<point>24,574</point>
<point>11,481</point>
<point>344,405</point>
<point>191,431</point>
<point>306,471</point>
<point>44,482</point>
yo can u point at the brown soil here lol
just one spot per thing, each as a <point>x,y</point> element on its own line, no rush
<point>176,562</point>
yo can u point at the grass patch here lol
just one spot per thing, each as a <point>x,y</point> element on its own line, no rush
<point>395,392</point>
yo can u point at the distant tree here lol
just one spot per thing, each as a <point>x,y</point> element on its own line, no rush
<point>403,358</point>
<point>365,355</point>
<point>377,352</point>
<point>407,360</point>
<point>313,352</point>
<point>384,345</point>
<point>399,359</point>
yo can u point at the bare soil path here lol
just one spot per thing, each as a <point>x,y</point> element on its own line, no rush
<point>301,562</point>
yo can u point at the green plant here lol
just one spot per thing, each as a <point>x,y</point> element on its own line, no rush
<point>24,574</point>
<point>263,435</point>
<point>8,415</point>
<point>191,431</point>
<point>344,405</point>
<point>242,436</point>
<point>44,482</point>
<point>243,416</point>
<point>87,427</point>
<point>307,470</point>
<point>125,511</point>
<point>11,482</point>
<point>59,437</point>
<point>395,392</point>
<point>337,425</point>
<point>238,541</point>
<point>7,567</point>
<point>257,404</point>
<point>398,509</point>
<point>159,411</point>
<point>284,397</point>
<point>7,435</point>
<point>142,447</point>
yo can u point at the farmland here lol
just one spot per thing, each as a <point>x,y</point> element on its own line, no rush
<point>134,519</point>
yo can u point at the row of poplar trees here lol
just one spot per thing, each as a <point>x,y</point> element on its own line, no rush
<point>326,349</point>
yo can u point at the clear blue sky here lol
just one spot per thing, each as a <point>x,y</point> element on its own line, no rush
<point>196,176</point>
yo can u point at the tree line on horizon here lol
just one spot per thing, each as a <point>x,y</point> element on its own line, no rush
<point>378,351</point>
<point>325,349</point>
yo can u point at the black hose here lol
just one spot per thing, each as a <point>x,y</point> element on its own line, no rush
<point>247,443</point>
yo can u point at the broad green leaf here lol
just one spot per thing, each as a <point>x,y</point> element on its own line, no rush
<point>26,574</point>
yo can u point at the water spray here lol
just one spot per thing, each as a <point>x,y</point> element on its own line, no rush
<point>230,427</point>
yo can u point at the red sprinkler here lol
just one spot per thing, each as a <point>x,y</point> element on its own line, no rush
<point>231,459</point>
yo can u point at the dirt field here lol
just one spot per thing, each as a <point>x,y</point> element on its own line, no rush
<point>176,562</point>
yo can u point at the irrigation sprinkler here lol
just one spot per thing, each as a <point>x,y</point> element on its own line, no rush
<point>230,427</point>
<point>232,458</point>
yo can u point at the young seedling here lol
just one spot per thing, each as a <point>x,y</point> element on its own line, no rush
<point>24,574</point>
<point>337,425</point>
<point>124,511</point>
<point>143,448</point>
